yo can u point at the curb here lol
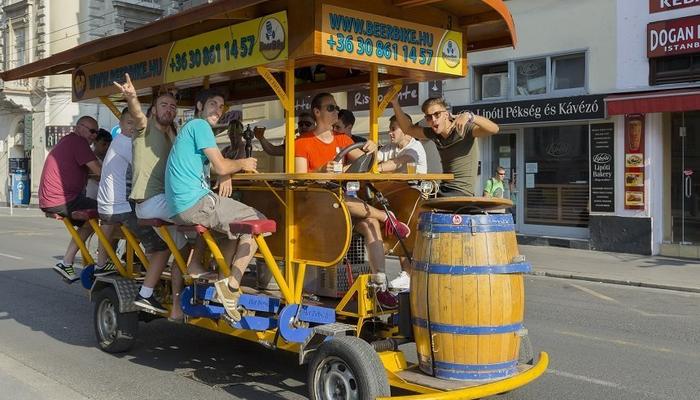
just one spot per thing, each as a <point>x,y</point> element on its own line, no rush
<point>615,281</point>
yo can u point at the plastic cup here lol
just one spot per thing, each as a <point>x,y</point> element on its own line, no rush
<point>411,168</point>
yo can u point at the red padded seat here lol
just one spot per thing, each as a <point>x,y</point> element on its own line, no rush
<point>54,216</point>
<point>254,226</point>
<point>84,215</point>
<point>189,228</point>
<point>154,222</point>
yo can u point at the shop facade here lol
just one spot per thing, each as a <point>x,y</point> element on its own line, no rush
<point>621,172</point>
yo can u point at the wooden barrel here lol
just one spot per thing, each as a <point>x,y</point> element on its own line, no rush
<point>467,297</point>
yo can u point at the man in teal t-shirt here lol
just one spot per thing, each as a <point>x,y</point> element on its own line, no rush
<point>494,186</point>
<point>192,202</point>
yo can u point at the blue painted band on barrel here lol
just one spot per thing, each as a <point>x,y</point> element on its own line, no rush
<point>461,375</point>
<point>467,330</point>
<point>444,269</point>
<point>476,367</point>
<point>445,223</point>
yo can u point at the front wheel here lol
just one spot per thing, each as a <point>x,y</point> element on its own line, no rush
<point>115,331</point>
<point>347,368</point>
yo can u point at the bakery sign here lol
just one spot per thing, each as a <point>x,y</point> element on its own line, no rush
<point>667,5</point>
<point>674,36</point>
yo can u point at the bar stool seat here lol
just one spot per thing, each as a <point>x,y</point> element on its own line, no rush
<point>84,215</point>
<point>153,222</point>
<point>190,228</point>
<point>253,226</point>
<point>54,216</point>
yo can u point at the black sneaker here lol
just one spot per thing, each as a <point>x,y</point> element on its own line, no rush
<point>67,272</point>
<point>149,304</point>
<point>107,269</point>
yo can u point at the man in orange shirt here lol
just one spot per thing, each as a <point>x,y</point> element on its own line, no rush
<point>314,152</point>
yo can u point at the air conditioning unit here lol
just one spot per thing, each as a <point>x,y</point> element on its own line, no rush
<point>494,86</point>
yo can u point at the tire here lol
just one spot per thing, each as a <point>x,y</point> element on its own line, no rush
<point>346,368</point>
<point>115,331</point>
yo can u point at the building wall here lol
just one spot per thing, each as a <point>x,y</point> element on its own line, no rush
<point>54,26</point>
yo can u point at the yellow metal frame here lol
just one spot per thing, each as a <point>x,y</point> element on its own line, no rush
<point>84,252</point>
<point>291,281</point>
<point>394,362</point>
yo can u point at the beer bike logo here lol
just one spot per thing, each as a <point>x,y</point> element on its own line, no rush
<point>450,53</point>
<point>79,84</point>
<point>272,38</point>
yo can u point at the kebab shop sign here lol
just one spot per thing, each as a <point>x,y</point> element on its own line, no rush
<point>675,36</point>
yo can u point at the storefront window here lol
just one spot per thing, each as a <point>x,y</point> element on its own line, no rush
<point>556,176</point>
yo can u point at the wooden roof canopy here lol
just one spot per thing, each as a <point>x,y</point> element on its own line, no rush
<point>484,24</point>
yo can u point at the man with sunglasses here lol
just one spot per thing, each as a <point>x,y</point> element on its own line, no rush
<point>314,152</point>
<point>455,139</point>
<point>494,187</point>
<point>63,181</point>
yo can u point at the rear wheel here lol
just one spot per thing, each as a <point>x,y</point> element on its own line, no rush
<point>115,331</point>
<point>347,368</point>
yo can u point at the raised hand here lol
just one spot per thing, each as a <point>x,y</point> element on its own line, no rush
<point>128,90</point>
<point>259,132</point>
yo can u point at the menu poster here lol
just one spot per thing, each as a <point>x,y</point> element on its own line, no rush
<point>634,162</point>
<point>602,167</point>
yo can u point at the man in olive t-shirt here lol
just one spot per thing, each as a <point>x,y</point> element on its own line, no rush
<point>455,139</point>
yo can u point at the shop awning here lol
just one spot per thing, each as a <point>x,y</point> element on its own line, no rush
<point>654,102</point>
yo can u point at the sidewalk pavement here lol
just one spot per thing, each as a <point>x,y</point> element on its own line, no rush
<point>618,268</point>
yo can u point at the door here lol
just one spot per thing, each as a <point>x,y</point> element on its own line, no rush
<point>503,154</point>
<point>685,178</point>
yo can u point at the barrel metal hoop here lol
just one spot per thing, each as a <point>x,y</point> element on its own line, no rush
<point>460,375</point>
<point>444,269</point>
<point>467,330</point>
<point>476,367</point>
<point>464,228</point>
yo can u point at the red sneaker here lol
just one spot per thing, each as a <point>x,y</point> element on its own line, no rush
<point>402,230</point>
<point>387,300</point>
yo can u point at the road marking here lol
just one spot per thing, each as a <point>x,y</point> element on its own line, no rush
<point>11,256</point>
<point>630,344</point>
<point>594,293</point>
<point>601,382</point>
<point>585,379</point>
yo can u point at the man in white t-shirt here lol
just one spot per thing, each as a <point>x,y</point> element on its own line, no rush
<point>395,157</point>
<point>402,150</point>
<point>112,195</point>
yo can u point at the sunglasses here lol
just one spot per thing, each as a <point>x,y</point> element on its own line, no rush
<point>305,124</point>
<point>501,174</point>
<point>93,131</point>
<point>435,115</point>
<point>332,108</point>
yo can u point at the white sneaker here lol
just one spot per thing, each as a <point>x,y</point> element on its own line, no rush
<point>401,282</point>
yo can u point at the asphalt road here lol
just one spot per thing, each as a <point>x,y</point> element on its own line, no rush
<point>604,341</point>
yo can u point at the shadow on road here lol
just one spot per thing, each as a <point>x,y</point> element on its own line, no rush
<point>37,299</point>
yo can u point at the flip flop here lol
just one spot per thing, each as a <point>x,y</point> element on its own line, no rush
<point>177,320</point>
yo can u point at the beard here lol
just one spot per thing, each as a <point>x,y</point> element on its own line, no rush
<point>164,120</point>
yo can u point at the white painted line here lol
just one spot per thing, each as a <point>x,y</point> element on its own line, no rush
<point>594,293</point>
<point>11,256</point>
<point>585,379</point>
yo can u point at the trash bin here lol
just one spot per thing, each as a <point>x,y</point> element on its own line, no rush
<point>20,188</point>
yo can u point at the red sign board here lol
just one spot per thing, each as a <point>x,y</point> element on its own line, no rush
<point>666,5</point>
<point>634,162</point>
<point>673,36</point>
